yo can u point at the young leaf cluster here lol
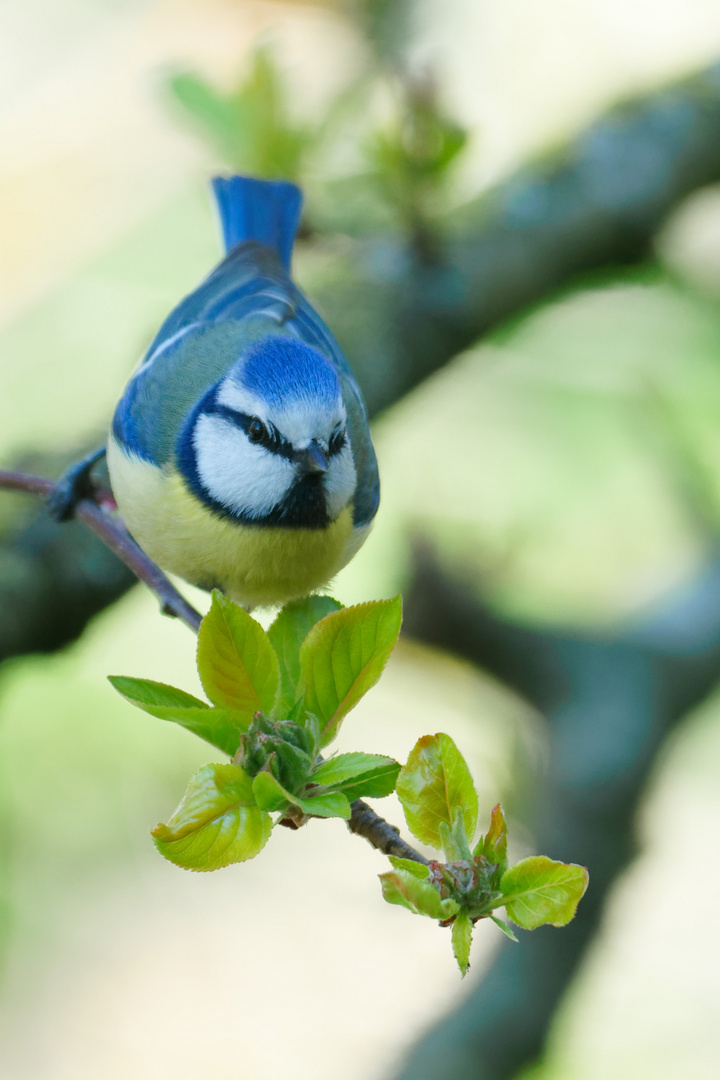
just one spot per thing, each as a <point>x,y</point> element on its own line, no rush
<point>250,123</point>
<point>441,809</point>
<point>408,158</point>
<point>412,158</point>
<point>276,700</point>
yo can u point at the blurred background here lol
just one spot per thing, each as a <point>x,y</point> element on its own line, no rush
<point>513,227</point>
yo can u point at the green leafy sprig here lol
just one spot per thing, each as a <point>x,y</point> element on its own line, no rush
<point>249,124</point>
<point>411,158</point>
<point>406,161</point>
<point>276,700</point>
<point>441,809</point>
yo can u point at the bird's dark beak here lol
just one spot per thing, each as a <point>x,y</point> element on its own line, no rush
<point>313,461</point>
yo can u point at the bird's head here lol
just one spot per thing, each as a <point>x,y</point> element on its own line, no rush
<point>268,444</point>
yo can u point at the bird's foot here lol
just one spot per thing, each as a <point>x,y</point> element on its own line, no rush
<point>75,484</point>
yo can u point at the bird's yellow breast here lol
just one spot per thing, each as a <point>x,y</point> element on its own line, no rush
<point>252,564</point>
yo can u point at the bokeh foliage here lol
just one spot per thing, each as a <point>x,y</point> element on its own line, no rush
<point>589,429</point>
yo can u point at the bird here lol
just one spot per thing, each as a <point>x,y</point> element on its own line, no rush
<point>240,455</point>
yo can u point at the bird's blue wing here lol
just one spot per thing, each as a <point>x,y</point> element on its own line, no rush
<point>249,281</point>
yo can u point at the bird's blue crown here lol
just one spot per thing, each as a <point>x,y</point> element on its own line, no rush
<point>283,371</point>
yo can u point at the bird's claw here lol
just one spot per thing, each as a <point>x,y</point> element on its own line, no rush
<point>75,484</point>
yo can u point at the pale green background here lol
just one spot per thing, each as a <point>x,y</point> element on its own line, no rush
<point>555,487</point>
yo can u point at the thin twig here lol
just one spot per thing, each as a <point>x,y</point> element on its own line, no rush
<point>380,833</point>
<point>31,485</point>
<point>96,515</point>
<point>114,534</point>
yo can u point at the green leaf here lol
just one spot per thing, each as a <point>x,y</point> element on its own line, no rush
<point>250,124</point>
<point>220,727</point>
<point>433,785</point>
<point>539,890</point>
<point>217,822</point>
<point>454,840</point>
<point>403,887</point>
<point>150,695</point>
<point>272,145</point>
<point>313,726</point>
<point>287,634</point>
<point>271,795</point>
<point>358,775</point>
<point>462,929</point>
<point>327,804</point>
<point>237,664</point>
<point>343,657</point>
<point>504,927</point>
<point>375,785</point>
<point>203,102</point>
<point>417,869</point>
<point>343,767</point>
<point>494,844</point>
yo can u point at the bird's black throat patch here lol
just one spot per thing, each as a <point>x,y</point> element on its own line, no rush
<point>304,506</point>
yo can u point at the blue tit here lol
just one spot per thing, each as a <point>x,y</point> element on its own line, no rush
<point>240,454</point>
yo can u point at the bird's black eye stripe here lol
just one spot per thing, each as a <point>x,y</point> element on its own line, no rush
<point>258,432</point>
<point>337,441</point>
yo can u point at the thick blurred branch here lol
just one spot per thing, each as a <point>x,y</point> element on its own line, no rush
<point>593,203</point>
<point>610,700</point>
<point>53,578</point>
<point>111,531</point>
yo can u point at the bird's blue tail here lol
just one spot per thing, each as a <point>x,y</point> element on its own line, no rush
<point>264,210</point>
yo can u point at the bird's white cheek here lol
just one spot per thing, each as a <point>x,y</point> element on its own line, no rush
<point>340,482</point>
<point>245,478</point>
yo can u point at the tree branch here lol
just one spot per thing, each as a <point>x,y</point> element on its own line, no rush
<point>380,833</point>
<point>116,537</point>
<point>592,204</point>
